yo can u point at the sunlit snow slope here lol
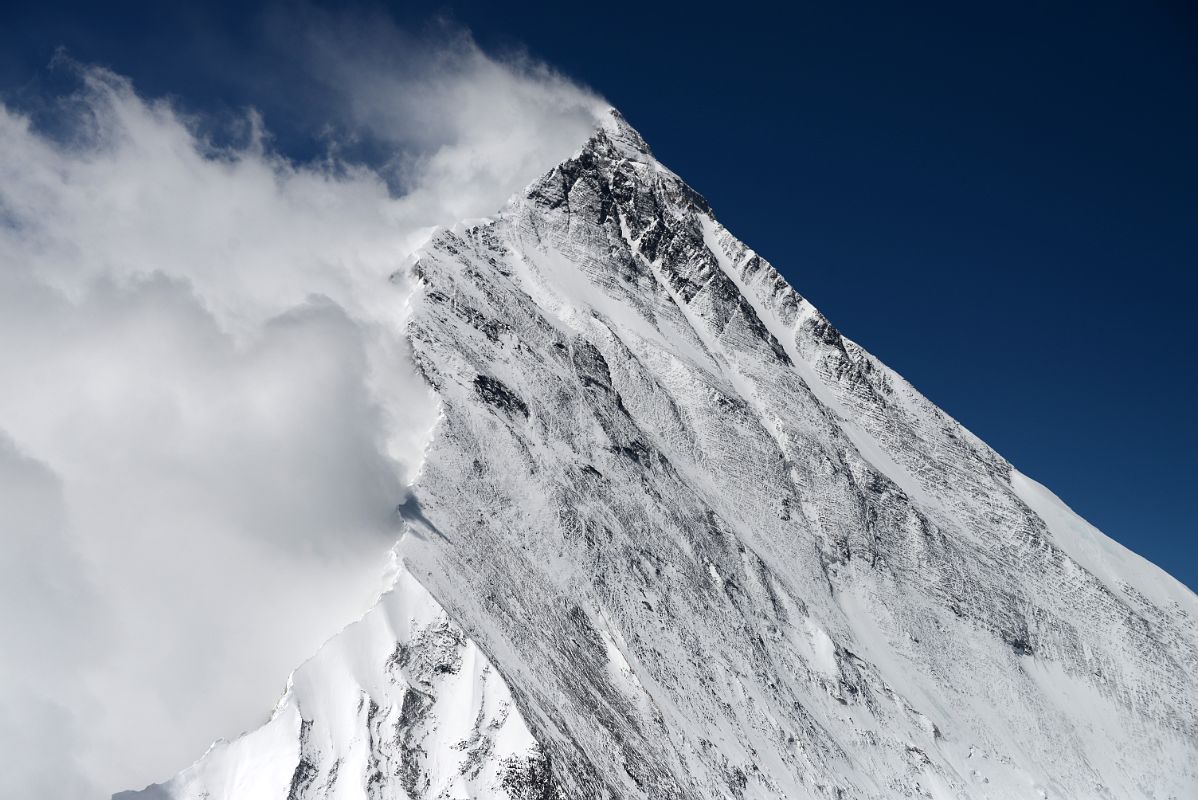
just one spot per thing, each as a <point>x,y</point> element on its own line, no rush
<point>399,704</point>
<point>715,550</point>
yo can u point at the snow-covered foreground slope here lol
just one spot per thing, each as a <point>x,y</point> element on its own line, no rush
<point>400,704</point>
<point>714,549</point>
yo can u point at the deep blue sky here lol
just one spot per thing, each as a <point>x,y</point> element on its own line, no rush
<point>999,200</point>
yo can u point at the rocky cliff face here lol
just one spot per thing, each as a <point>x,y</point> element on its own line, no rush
<point>712,548</point>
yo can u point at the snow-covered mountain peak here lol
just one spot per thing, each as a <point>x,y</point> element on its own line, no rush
<point>621,136</point>
<point>712,548</point>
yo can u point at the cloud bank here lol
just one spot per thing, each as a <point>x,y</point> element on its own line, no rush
<point>206,414</point>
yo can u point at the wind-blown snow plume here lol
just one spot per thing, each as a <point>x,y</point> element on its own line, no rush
<point>206,420</point>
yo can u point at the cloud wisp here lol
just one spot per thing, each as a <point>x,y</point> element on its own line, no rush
<point>207,418</point>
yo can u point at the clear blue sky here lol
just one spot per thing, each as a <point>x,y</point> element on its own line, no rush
<point>1000,201</point>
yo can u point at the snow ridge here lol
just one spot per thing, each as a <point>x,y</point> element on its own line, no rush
<point>399,704</point>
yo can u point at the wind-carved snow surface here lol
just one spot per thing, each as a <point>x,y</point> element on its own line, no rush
<point>715,549</point>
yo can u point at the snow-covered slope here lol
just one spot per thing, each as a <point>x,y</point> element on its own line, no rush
<point>714,549</point>
<point>399,704</point>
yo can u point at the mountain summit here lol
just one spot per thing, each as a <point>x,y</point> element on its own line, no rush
<point>677,537</point>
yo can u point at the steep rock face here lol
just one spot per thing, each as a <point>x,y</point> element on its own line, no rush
<point>715,549</point>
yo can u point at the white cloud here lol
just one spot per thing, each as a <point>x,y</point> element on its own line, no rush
<point>459,121</point>
<point>206,420</point>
